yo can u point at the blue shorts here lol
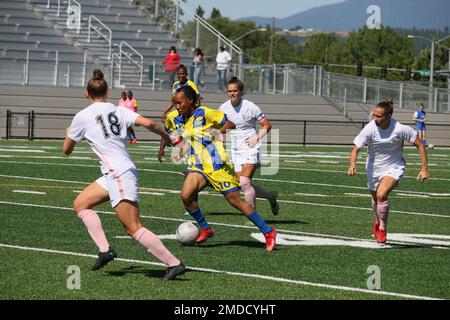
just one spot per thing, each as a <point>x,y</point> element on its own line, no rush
<point>420,126</point>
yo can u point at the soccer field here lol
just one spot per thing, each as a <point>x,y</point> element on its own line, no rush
<point>325,246</point>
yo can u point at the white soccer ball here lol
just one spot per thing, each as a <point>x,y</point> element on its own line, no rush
<point>431,146</point>
<point>187,233</point>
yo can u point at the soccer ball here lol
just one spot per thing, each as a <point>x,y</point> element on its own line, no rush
<point>187,232</point>
<point>431,146</point>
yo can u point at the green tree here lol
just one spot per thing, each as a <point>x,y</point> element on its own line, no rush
<point>200,12</point>
<point>215,13</point>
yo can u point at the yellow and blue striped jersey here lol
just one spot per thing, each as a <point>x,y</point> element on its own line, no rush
<point>189,83</point>
<point>207,153</point>
<point>174,122</point>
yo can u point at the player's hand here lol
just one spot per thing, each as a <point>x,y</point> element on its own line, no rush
<point>163,117</point>
<point>67,130</point>
<point>251,142</point>
<point>423,175</point>
<point>176,158</point>
<point>351,171</point>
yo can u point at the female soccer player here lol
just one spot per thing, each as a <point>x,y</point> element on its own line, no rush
<point>207,164</point>
<point>420,116</point>
<point>385,165</point>
<point>245,142</point>
<point>104,126</point>
<point>182,81</point>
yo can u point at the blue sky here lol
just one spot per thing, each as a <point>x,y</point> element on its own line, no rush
<point>264,8</point>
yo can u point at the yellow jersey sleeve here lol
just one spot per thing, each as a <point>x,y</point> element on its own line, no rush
<point>215,117</point>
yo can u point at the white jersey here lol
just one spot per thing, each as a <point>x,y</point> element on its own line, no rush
<point>105,128</point>
<point>385,146</point>
<point>245,116</point>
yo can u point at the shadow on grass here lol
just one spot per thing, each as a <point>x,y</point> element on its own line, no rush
<point>141,271</point>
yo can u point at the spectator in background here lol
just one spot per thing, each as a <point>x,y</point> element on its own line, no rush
<point>420,116</point>
<point>172,61</point>
<point>223,60</point>
<point>199,65</point>
<point>129,102</point>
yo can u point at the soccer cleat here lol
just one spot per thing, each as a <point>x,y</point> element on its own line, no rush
<point>172,272</point>
<point>274,204</point>
<point>376,228</point>
<point>103,259</point>
<point>134,140</point>
<point>205,234</point>
<point>381,237</point>
<point>271,239</point>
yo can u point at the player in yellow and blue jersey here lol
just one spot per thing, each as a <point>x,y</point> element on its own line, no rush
<point>182,81</point>
<point>208,165</point>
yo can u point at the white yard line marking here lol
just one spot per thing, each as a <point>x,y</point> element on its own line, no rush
<point>311,195</point>
<point>231,273</point>
<point>22,150</point>
<point>29,191</point>
<point>152,193</point>
<point>413,195</point>
<point>364,195</point>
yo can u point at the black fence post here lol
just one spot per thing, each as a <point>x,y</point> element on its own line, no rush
<point>31,126</point>
<point>304,133</point>
<point>8,123</point>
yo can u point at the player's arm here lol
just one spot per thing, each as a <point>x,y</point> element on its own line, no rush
<point>266,127</point>
<point>68,146</point>
<point>352,162</point>
<point>228,125</point>
<point>153,127</point>
<point>168,107</point>
<point>423,174</point>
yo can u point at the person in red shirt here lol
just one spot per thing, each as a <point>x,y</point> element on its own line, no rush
<point>172,62</point>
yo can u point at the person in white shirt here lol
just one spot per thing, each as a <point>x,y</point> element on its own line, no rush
<point>223,60</point>
<point>104,126</point>
<point>246,142</point>
<point>385,164</point>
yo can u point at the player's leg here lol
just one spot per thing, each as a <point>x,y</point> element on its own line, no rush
<point>128,214</point>
<point>376,224</point>
<point>194,182</point>
<point>387,184</point>
<point>424,138</point>
<point>91,196</point>
<point>270,233</point>
<point>245,176</point>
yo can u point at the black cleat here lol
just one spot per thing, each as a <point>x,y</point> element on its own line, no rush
<point>274,203</point>
<point>103,259</point>
<point>172,272</point>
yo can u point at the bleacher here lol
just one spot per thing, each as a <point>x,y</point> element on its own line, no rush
<point>30,25</point>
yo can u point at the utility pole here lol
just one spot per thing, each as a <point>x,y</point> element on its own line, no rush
<point>271,40</point>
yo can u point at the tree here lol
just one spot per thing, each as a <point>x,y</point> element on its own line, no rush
<point>200,12</point>
<point>215,13</point>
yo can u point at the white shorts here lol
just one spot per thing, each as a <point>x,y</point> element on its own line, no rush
<point>123,187</point>
<point>240,157</point>
<point>374,180</point>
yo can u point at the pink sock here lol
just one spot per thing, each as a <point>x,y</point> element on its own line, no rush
<point>94,226</point>
<point>374,209</point>
<point>261,193</point>
<point>383,212</point>
<point>154,246</point>
<point>249,192</point>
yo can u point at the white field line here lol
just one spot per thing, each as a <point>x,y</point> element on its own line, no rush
<point>22,150</point>
<point>29,191</point>
<point>285,201</point>
<point>212,223</point>
<point>238,274</point>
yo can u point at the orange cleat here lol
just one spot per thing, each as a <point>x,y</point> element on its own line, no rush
<point>205,234</point>
<point>376,228</point>
<point>381,237</point>
<point>271,240</point>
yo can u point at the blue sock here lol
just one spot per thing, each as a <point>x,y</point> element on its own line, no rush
<point>259,222</point>
<point>198,216</point>
<point>425,142</point>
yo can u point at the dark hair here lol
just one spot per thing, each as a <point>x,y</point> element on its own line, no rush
<point>388,107</point>
<point>97,86</point>
<point>123,94</point>
<point>129,93</point>
<point>182,66</point>
<point>191,94</point>
<point>198,51</point>
<point>235,80</point>
<point>173,48</point>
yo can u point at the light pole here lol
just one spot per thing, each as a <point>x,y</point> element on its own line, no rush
<point>430,87</point>
<point>251,31</point>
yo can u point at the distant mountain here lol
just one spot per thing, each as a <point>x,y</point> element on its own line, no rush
<point>351,15</point>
